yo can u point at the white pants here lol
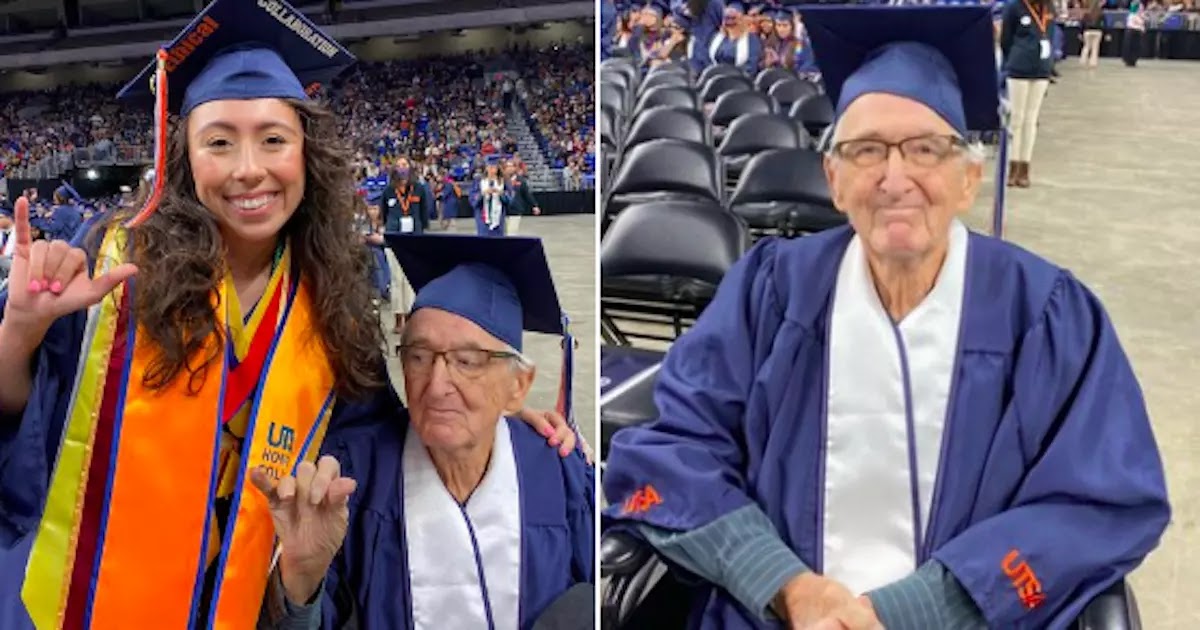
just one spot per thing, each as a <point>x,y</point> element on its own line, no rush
<point>1090,54</point>
<point>402,297</point>
<point>1025,97</point>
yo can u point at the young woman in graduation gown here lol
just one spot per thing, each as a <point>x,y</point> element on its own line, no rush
<point>734,43</point>
<point>224,329</point>
<point>491,198</point>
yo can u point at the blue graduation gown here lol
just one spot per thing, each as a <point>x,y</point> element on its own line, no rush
<point>727,54</point>
<point>29,448</point>
<point>1047,447</point>
<point>481,228</point>
<point>703,28</point>
<point>449,202</point>
<point>557,534</point>
<point>67,220</point>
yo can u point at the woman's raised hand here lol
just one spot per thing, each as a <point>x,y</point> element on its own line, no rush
<point>50,279</point>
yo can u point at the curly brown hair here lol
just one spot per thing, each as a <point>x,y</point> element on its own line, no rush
<point>179,253</point>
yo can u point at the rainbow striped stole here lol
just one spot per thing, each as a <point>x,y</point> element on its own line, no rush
<point>125,534</point>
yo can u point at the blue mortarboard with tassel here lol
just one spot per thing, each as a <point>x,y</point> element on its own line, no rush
<point>503,285</point>
<point>940,56</point>
<point>234,50</point>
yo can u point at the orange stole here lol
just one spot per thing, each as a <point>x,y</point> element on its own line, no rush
<point>155,528</point>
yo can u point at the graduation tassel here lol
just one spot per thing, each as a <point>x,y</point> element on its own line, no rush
<point>564,384</point>
<point>160,142</point>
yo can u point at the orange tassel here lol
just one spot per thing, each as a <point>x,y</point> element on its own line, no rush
<point>160,142</point>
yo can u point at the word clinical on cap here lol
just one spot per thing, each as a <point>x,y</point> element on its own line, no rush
<point>190,42</point>
<point>297,25</point>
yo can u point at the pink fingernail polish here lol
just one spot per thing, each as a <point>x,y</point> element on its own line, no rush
<point>35,286</point>
<point>56,287</point>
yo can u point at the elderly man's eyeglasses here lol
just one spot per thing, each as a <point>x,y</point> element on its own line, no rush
<point>469,362</point>
<point>922,151</point>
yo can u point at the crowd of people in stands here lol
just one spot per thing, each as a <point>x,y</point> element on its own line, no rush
<point>34,125</point>
<point>446,114</point>
<point>559,95</point>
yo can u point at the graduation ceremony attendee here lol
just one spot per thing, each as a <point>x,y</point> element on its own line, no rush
<point>462,518</point>
<point>779,46</point>
<point>490,199</point>
<point>650,41</point>
<point>1135,30</point>
<point>608,27</point>
<point>8,241</point>
<point>1093,33</point>
<point>1028,63</point>
<point>734,43</point>
<point>225,331</point>
<point>66,214</point>
<point>900,409</point>
<point>704,18</point>
<point>371,228</point>
<point>406,202</point>
<point>449,194</point>
<point>523,202</point>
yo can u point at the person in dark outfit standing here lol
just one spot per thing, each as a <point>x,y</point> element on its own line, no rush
<point>406,205</point>
<point>523,202</point>
<point>1028,63</point>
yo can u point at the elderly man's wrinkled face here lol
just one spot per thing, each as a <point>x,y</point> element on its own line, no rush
<point>456,398</point>
<point>901,208</point>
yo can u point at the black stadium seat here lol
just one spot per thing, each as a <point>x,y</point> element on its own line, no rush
<point>718,86</point>
<point>753,134</point>
<point>671,96</point>
<point>770,76</point>
<point>789,91</point>
<point>718,70</point>
<point>662,170</point>
<point>733,105</point>
<point>667,122</point>
<point>664,79</point>
<point>814,112</point>
<point>784,192</point>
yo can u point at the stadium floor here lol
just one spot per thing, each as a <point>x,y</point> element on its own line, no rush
<point>570,242</point>
<point>1115,199</point>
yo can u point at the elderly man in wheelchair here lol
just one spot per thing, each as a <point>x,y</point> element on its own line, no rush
<point>898,423</point>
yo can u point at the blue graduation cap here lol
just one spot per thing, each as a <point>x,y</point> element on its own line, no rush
<point>735,5</point>
<point>6,211</point>
<point>940,56</point>
<point>503,285</point>
<point>67,191</point>
<point>233,50</point>
<point>238,49</point>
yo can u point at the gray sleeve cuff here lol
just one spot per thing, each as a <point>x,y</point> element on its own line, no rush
<point>929,599</point>
<point>739,552</point>
<point>278,613</point>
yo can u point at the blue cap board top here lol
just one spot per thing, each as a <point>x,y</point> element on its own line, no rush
<point>940,56</point>
<point>6,211</point>
<point>244,49</point>
<point>735,6</point>
<point>503,285</point>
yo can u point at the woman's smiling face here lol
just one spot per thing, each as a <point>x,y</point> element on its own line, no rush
<point>247,161</point>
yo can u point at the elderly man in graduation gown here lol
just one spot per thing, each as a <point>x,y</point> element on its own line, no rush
<point>901,409</point>
<point>463,518</point>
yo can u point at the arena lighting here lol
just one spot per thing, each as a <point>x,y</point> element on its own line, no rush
<point>93,174</point>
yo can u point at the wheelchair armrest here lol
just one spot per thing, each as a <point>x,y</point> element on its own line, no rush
<point>633,572</point>
<point>623,554</point>
<point>1115,608</point>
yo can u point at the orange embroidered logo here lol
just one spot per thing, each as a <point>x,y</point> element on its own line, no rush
<point>1029,589</point>
<point>642,500</point>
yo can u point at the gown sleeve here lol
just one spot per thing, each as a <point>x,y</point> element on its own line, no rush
<point>579,479</point>
<point>687,469</point>
<point>1093,500</point>
<point>29,443</point>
